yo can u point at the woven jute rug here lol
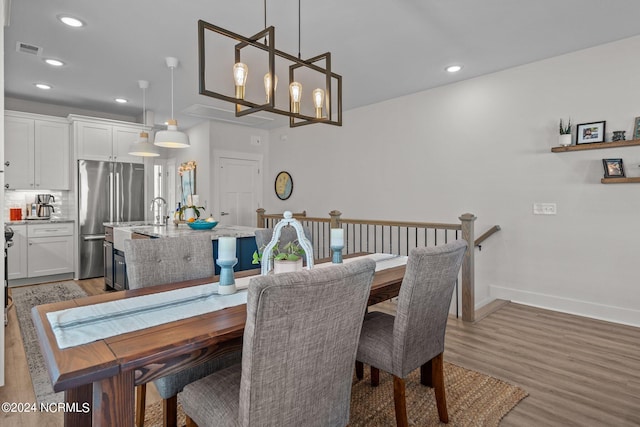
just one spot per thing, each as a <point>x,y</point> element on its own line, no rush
<point>24,298</point>
<point>473,399</point>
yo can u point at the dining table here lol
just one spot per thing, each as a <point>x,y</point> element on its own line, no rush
<point>102,374</point>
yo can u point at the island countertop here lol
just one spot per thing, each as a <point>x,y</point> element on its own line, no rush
<point>181,230</point>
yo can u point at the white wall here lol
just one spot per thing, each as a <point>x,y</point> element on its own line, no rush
<point>207,138</point>
<point>483,146</point>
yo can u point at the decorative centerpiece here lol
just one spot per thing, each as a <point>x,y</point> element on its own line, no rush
<point>202,224</point>
<point>304,243</point>
<point>285,260</point>
<point>564,138</point>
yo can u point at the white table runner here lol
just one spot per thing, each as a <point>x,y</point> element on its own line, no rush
<point>82,325</point>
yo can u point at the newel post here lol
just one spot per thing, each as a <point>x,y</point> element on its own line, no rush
<point>335,219</point>
<point>260,212</point>
<point>468,278</point>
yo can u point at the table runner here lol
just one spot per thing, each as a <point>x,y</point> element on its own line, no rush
<point>82,325</point>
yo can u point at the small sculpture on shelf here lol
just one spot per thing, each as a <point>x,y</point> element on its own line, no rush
<point>565,134</point>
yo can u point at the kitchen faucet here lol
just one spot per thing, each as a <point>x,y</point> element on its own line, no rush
<point>159,202</point>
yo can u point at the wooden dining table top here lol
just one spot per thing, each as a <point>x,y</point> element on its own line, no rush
<point>157,351</point>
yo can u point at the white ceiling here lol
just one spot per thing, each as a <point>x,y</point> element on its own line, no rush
<point>382,49</point>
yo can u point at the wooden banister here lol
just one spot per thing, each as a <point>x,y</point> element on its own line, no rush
<point>395,237</point>
<point>487,234</point>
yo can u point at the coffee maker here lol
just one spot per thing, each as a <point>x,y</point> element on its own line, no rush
<point>44,209</point>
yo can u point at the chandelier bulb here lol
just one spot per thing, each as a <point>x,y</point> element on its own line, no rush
<point>295,90</point>
<point>318,100</point>
<point>267,85</point>
<point>240,72</point>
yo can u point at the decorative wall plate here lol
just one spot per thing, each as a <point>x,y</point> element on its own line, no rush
<point>283,185</point>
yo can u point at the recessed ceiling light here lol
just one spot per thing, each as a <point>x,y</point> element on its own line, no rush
<point>54,62</point>
<point>43,86</point>
<point>71,21</point>
<point>453,68</point>
<point>121,100</point>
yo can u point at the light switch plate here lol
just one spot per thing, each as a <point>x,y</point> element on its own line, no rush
<point>544,209</point>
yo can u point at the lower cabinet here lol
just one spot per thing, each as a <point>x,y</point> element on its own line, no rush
<point>49,255</point>
<point>40,250</point>
<point>17,253</point>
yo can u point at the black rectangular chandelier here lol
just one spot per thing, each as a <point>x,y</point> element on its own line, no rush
<point>321,109</point>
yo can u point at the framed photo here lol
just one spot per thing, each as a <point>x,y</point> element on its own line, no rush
<point>636,128</point>
<point>588,133</point>
<point>283,185</point>
<point>613,168</point>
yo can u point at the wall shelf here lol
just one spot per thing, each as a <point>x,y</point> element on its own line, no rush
<point>596,146</point>
<point>620,180</point>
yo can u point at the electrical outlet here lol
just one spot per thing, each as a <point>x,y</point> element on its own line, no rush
<point>256,140</point>
<point>544,209</point>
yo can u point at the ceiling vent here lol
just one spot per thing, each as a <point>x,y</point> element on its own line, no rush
<point>223,115</point>
<point>28,48</point>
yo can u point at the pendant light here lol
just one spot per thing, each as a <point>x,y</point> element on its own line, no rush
<point>295,88</point>
<point>172,137</point>
<point>142,147</point>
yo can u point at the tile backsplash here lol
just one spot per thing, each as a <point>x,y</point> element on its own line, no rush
<point>19,199</point>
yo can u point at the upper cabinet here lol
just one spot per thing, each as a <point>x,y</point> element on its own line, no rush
<point>36,152</point>
<point>105,140</point>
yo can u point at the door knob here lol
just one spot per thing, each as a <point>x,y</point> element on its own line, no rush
<point>7,163</point>
<point>224,213</point>
<point>6,186</point>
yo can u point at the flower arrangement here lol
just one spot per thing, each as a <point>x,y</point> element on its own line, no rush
<point>564,130</point>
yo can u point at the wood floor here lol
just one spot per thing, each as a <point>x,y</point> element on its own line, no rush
<point>577,371</point>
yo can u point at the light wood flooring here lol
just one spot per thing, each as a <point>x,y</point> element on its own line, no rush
<point>577,371</point>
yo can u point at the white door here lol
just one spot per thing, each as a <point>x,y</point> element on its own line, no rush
<point>239,189</point>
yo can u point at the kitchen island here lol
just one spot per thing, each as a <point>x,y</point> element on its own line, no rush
<point>117,232</point>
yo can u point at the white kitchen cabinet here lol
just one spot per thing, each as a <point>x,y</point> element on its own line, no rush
<point>17,253</point>
<point>36,152</point>
<point>49,249</point>
<point>105,140</point>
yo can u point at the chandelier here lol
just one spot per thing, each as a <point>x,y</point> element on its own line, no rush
<point>305,106</point>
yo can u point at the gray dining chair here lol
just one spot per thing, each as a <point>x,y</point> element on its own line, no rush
<point>414,337</point>
<point>287,234</point>
<point>153,262</point>
<point>299,347</point>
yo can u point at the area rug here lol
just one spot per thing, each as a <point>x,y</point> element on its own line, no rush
<point>473,399</point>
<point>24,298</point>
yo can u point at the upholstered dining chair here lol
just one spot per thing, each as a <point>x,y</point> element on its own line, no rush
<point>299,347</point>
<point>414,337</point>
<point>168,260</point>
<point>287,234</point>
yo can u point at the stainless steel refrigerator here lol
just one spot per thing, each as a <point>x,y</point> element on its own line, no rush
<point>107,192</point>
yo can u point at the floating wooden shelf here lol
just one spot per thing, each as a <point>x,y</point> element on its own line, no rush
<point>620,180</point>
<point>596,146</point>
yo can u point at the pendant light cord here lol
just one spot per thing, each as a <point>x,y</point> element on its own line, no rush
<point>144,108</point>
<point>299,56</point>
<point>172,92</point>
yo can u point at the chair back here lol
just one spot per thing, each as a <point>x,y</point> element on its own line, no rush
<point>168,260</point>
<point>423,304</point>
<point>287,234</point>
<point>300,343</point>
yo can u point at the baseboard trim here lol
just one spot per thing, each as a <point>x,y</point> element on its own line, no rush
<point>604,312</point>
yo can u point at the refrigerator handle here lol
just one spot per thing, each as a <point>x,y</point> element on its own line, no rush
<point>118,212</point>
<point>111,193</point>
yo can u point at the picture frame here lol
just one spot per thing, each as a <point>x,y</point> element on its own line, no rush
<point>613,168</point>
<point>589,133</point>
<point>636,128</point>
<point>283,185</point>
